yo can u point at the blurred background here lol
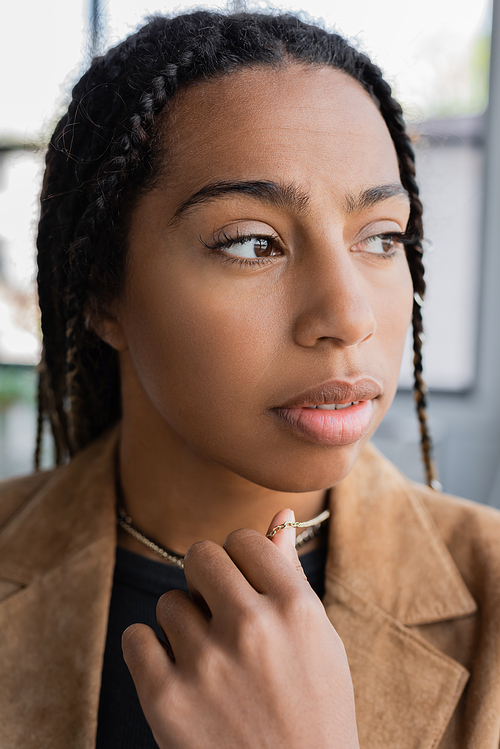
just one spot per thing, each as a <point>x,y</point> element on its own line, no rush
<point>442,58</point>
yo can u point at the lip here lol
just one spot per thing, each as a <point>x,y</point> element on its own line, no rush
<point>326,427</point>
<point>336,391</point>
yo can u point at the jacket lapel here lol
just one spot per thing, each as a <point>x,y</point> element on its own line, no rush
<point>57,558</point>
<point>387,570</point>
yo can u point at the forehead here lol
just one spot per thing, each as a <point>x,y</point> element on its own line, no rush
<point>312,125</point>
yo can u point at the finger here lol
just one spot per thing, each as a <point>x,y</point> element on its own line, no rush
<point>184,624</point>
<point>263,564</point>
<point>284,539</point>
<point>147,660</point>
<point>213,578</point>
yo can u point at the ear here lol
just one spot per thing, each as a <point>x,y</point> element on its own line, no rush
<point>104,322</point>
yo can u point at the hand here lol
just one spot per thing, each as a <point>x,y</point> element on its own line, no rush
<point>252,660</point>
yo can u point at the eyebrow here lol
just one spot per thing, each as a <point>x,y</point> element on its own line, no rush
<point>285,195</point>
<point>275,194</point>
<point>372,196</point>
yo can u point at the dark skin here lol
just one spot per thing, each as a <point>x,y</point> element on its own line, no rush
<point>212,338</point>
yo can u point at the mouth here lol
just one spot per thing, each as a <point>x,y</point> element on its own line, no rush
<point>334,406</point>
<point>335,413</point>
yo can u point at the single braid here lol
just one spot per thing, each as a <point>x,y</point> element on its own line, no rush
<point>39,426</point>
<point>420,393</point>
<point>393,116</point>
<point>108,148</point>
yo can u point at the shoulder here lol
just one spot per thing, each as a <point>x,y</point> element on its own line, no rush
<point>461,521</point>
<point>16,493</point>
<point>471,532</point>
<point>68,488</point>
<point>466,531</point>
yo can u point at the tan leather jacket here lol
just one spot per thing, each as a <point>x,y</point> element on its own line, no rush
<point>412,587</point>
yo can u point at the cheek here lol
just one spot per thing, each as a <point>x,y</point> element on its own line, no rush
<point>393,313</point>
<point>200,347</point>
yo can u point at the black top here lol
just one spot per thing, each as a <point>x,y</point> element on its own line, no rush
<point>138,583</point>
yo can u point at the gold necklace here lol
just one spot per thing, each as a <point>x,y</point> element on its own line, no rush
<point>313,528</point>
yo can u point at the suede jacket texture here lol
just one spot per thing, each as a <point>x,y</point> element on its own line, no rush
<point>412,587</point>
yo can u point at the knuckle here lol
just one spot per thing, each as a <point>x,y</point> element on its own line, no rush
<point>211,662</point>
<point>253,628</point>
<point>200,550</point>
<point>302,604</point>
<point>252,618</point>
<point>244,536</point>
<point>300,570</point>
<point>170,600</point>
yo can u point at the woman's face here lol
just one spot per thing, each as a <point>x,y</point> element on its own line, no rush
<point>259,285</point>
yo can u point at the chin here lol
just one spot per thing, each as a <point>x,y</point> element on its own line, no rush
<point>316,468</point>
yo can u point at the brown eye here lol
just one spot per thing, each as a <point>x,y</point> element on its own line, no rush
<point>387,243</point>
<point>263,247</point>
<point>251,248</point>
<point>382,244</point>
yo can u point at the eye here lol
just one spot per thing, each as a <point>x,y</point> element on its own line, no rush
<point>252,247</point>
<point>247,247</point>
<point>381,244</point>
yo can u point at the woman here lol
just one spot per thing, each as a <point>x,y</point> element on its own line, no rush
<point>229,258</point>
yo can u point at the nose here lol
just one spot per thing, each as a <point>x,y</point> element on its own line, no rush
<point>333,302</point>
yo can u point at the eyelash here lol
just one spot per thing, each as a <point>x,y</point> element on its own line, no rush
<point>400,238</point>
<point>224,242</point>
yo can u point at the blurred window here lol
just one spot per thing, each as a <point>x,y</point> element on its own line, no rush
<point>43,48</point>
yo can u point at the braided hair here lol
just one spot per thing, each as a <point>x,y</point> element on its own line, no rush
<point>106,150</point>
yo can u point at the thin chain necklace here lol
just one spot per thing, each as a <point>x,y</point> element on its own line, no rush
<point>313,528</point>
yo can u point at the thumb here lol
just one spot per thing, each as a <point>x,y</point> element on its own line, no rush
<point>285,539</point>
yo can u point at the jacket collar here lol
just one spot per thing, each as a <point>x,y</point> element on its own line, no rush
<point>384,545</point>
<point>387,569</point>
<point>74,508</point>
<point>56,560</point>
